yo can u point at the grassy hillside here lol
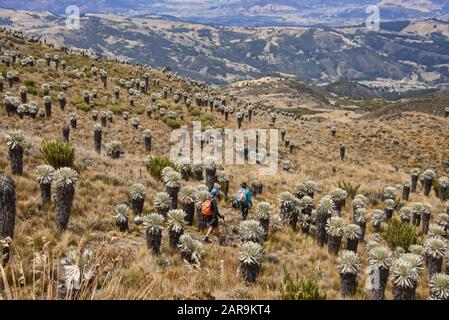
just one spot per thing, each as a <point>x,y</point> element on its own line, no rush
<point>432,104</point>
<point>379,153</point>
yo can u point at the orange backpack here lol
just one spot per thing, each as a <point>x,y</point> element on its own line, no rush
<point>206,208</point>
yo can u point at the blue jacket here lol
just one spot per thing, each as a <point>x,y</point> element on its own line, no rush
<point>249,200</point>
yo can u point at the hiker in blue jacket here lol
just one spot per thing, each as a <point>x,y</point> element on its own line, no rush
<point>244,199</point>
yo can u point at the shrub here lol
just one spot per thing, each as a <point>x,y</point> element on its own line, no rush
<point>436,188</point>
<point>3,71</point>
<point>155,165</point>
<point>195,111</point>
<point>29,83</point>
<point>32,91</point>
<point>58,154</point>
<point>119,109</point>
<point>207,120</point>
<point>31,87</point>
<point>351,189</point>
<point>306,288</point>
<point>174,124</point>
<point>400,235</point>
<point>374,197</point>
<point>81,106</point>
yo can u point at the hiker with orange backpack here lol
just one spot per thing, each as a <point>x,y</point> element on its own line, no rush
<point>244,200</point>
<point>210,213</point>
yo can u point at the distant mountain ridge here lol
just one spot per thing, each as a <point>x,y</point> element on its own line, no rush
<point>251,12</point>
<point>399,57</point>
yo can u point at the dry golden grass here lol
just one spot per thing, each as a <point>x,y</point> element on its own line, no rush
<point>126,268</point>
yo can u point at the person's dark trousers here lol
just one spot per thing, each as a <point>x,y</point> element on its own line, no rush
<point>201,225</point>
<point>245,209</point>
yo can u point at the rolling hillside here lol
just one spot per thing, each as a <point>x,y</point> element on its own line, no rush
<point>45,255</point>
<point>399,60</point>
